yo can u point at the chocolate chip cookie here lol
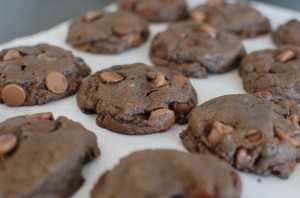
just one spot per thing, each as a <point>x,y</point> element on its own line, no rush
<point>288,34</point>
<point>238,18</point>
<point>168,173</point>
<point>107,33</point>
<point>42,156</point>
<point>195,49</point>
<point>276,71</point>
<point>157,10</point>
<point>250,132</point>
<point>35,75</point>
<point>137,99</point>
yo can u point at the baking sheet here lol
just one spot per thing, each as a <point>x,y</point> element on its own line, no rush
<point>115,146</point>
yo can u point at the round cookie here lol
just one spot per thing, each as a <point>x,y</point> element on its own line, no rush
<point>276,71</point>
<point>157,10</point>
<point>137,99</point>
<point>288,34</point>
<point>168,173</point>
<point>35,75</point>
<point>107,33</point>
<point>42,156</point>
<point>251,133</point>
<point>238,18</point>
<point>195,49</point>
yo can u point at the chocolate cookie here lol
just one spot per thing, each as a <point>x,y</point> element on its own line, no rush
<point>157,10</point>
<point>288,34</point>
<point>251,133</point>
<point>276,71</point>
<point>42,156</point>
<point>195,49</point>
<point>107,33</point>
<point>238,18</point>
<point>35,75</point>
<point>137,99</point>
<point>168,173</point>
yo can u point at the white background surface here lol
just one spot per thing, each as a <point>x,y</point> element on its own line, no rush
<point>114,146</point>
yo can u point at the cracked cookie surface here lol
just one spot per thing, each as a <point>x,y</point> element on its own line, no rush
<point>157,10</point>
<point>168,173</point>
<point>276,71</point>
<point>250,132</point>
<point>238,18</point>
<point>35,75</point>
<point>42,156</point>
<point>107,32</point>
<point>195,49</point>
<point>137,99</point>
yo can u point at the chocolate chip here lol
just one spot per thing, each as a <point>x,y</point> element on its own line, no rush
<point>242,159</point>
<point>286,56</point>
<point>264,69</point>
<point>264,94</point>
<point>13,95</point>
<point>92,15</point>
<point>293,119</point>
<point>199,188</point>
<point>132,39</point>
<point>43,126</point>
<point>46,58</point>
<point>218,131</point>
<point>212,32</point>
<point>111,77</point>
<point>162,119</point>
<point>7,143</point>
<point>198,16</point>
<point>214,2</point>
<point>121,30</point>
<point>40,116</point>
<point>183,107</point>
<point>56,82</point>
<point>178,80</point>
<point>283,136</point>
<point>254,137</point>
<point>159,80</point>
<point>11,55</point>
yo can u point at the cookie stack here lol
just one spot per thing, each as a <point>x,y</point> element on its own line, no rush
<point>257,133</point>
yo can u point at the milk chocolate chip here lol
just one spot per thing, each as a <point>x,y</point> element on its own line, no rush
<point>218,131</point>
<point>111,77</point>
<point>7,143</point>
<point>283,136</point>
<point>212,32</point>
<point>92,15</point>
<point>160,80</point>
<point>56,82</point>
<point>11,55</point>
<point>198,16</point>
<point>46,58</point>
<point>13,95</point>
<point>162,119</point>
<point>41,116</point>
<point>286,56</point>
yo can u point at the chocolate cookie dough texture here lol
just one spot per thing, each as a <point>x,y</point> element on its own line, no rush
<point>238,18</point>
<point>288,34</point>
<point>167,173</point>
<point>42,156</point>
<point>276,71</point>
<point>35,75</point>
<point>107,33</point>
<point>137,99</point>
<point>195,49</point>
<point>250,132</point>
<point>157,10</point>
